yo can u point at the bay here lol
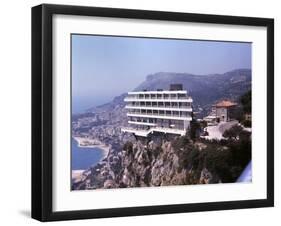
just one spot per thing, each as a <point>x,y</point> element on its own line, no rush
<point>82,157</point>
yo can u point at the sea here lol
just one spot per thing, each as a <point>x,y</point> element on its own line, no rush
<point>83,158</point>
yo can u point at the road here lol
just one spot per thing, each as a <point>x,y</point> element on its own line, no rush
<point>215,132</point>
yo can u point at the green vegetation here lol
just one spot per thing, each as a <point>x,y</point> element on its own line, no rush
<point>243,112</point>
<point>233,133</point>
<point>247,123</point>
<point>246,101</point>
<point>194,127</point>
<point>225,159</point>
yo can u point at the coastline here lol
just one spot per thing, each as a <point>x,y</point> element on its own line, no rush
<point>83,142</point>
<point>80,174</point>
<point>77,175</point>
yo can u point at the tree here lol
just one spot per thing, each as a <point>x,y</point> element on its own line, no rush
<point>233,133</point>
<point>246,101</point>
<point>194,127</point>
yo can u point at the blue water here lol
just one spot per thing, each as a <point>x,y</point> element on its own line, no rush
<point>82,104</point>
<point>83,158</point>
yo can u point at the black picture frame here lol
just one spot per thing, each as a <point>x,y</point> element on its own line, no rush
<point>42,111</point>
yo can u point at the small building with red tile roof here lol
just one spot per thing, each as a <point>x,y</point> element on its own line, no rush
<point>225,104</point>
<point>221,112</point>
<point>224,110</point>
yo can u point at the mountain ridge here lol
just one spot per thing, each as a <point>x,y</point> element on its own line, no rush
<point>204,89</point>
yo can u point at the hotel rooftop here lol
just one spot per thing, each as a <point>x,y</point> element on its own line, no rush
<point>162,111</point>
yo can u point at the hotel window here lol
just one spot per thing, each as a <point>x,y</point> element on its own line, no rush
<point>173,96</point>
<point>167,104</point>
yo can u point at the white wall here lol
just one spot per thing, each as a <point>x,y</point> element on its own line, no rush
<point>15,116</point>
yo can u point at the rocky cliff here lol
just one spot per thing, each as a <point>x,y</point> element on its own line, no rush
<point>152,164</point>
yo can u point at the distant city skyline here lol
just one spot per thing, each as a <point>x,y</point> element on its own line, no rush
<point>106,66</point>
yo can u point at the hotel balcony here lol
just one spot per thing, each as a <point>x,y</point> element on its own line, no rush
<point>164,99</point>
<point>160,116</point>
<point>159,107</point>
<point>146,132</point>
<point>142,123</point>
<point>178,96</point>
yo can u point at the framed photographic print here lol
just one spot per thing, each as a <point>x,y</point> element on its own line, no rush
<point>145,112</point>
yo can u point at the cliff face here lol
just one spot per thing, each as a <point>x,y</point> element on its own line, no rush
<point>153,166</point>
<point>141,165</point>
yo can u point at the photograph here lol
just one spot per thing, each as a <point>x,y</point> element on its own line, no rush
<point>150,112</point>
<point>145,112</point>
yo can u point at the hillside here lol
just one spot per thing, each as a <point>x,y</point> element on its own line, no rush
<point>178,161</point>
<point>204,89</point>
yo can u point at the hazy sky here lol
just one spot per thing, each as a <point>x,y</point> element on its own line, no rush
<point>104,67</point>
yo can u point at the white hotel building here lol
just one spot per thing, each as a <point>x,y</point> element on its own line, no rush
<point>164,111</point>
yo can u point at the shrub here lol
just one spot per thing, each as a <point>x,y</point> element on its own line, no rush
<point>233,133</point>
<point>193,131</point>
<point>128,146</point>
<point>247,123</point>
<point>246,101</point>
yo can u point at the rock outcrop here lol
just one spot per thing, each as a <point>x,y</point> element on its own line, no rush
<point>143,164</point>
